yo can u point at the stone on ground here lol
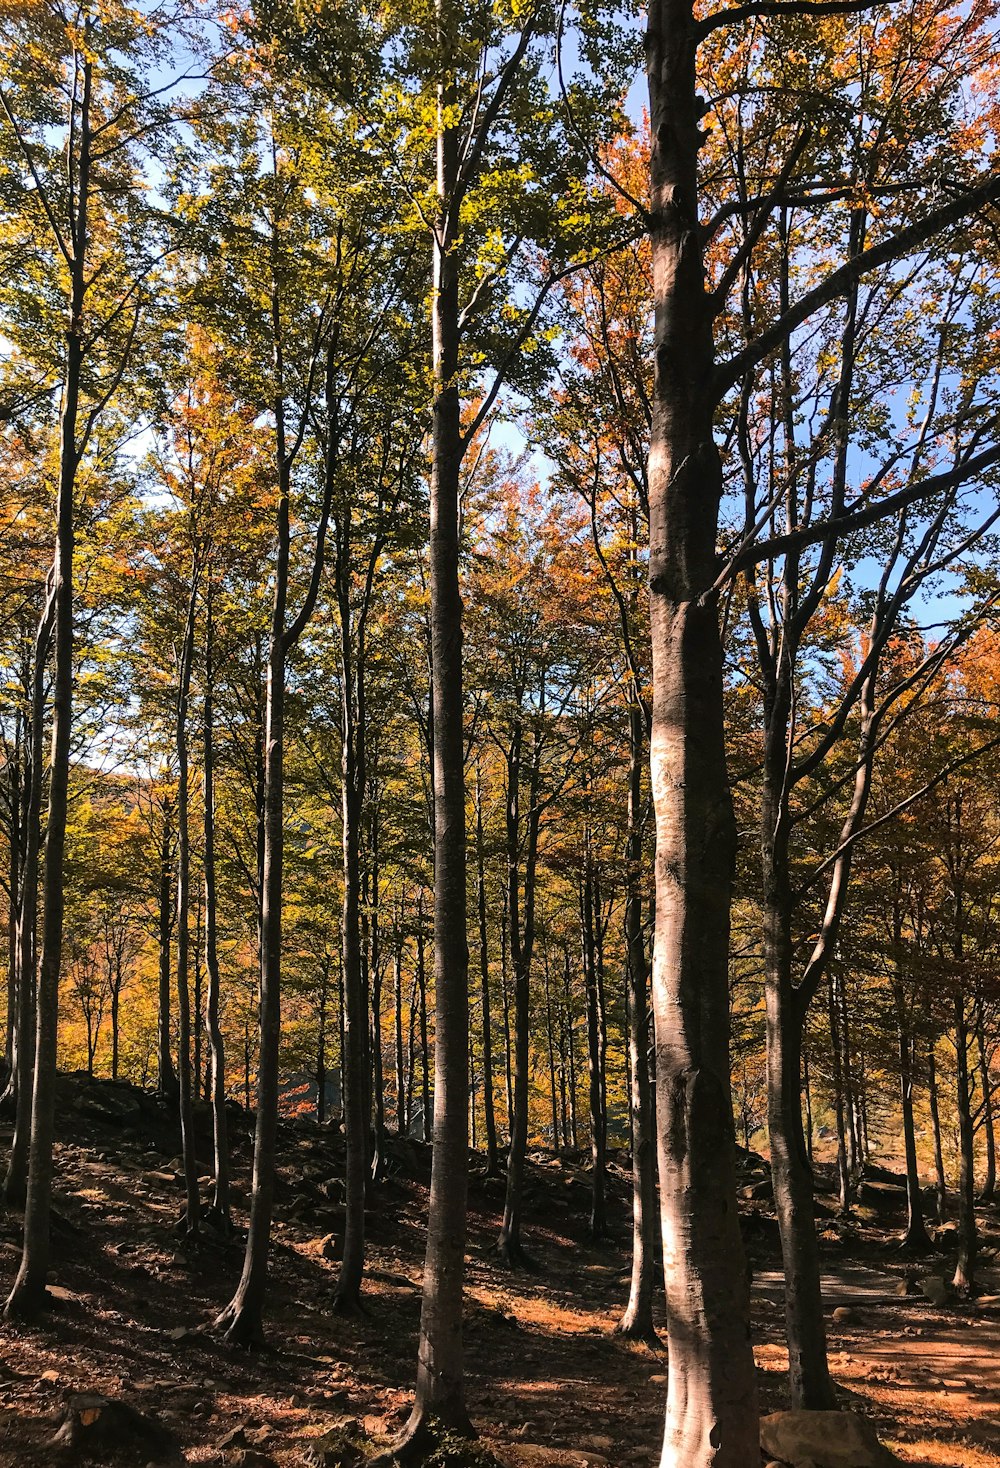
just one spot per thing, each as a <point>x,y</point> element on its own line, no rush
<point>825,1439</point>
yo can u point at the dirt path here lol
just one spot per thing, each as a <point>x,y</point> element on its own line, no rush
<point>550,1383</point>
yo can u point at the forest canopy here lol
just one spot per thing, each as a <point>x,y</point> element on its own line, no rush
<point>499,636</point>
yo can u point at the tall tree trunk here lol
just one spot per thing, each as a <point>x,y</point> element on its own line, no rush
<point>843,1169</point>
<point>810,1386</point>
<point>356,1081</point>
<point>411,1050</point>
<point>16,833</point>
<point>199,940</point>
<point>550,1046</point>
<point>166,1075</point>
<point>28,1294</point>
<point>116,994</point>
<point>637,1321</point>
<point>489,1114</point>
<point>324,997</point>
<point>508,1053</point>
<point>571,1048</point>
<point>595,1052</point>
<point>847,1082</point>
<point>915,1236</point>
<point>377,1083</point>
<point>185,1094</point>
<point>932,1101</point>
<point>221,1208</point>
<point>987,1191</point>
<point>16,1180</point>
<point>397,1000</point>
<point>425,1072</point>
<point>520,907</point>
<point>711,1414</point>
<point>440,1387</point>
<point>243,1317</point>
<point>965,1268</point>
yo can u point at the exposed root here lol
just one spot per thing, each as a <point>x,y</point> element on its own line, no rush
<point>427,1440</point>
<point>241,1327</point>
<point>349,1305</point>
<point>511,1254</point>
<point>27,1300</point>
<point>632,1328</point>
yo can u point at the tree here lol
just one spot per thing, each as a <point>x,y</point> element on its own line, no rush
<point>74,114</point>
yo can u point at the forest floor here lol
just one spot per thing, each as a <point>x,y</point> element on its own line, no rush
<point>550,1384</point>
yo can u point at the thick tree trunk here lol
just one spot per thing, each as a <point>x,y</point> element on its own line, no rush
<point>712,1415</point>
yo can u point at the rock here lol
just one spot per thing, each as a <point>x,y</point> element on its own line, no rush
<point>103,1428</point>
<point>881,1195</point>
<point>936,1289</point>
<point>844,1315</point>
<point>826,1439</point>
<point>184,1333</point>
<point>117,1107</point>
<point>58,1297</point>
